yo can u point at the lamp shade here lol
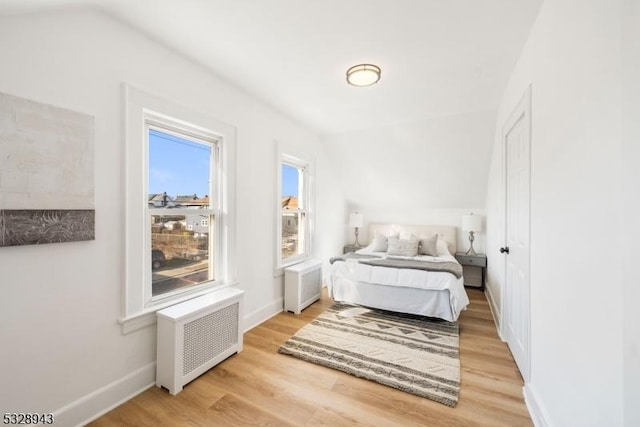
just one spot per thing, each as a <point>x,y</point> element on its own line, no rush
<point>472,223</point>
<point>356,220</point>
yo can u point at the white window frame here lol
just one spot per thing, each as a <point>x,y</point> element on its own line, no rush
<point>142,110</point>
<point>305,195</point>
<point>170,126</point>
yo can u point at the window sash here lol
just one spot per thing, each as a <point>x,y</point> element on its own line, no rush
<point>301,235</point>
<point>304,196</point>
<point>187,131</point>
<point>191,254</point>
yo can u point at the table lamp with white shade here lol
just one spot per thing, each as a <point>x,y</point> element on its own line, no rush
<point>471,223</point>
<point>356,220</point>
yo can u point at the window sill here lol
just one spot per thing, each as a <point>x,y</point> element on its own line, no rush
<point>279,271</point>
<point>148,316</point>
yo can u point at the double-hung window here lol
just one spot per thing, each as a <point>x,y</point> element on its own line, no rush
<point>180,217</point>
<point>294,227</point>
<point>182,206</point>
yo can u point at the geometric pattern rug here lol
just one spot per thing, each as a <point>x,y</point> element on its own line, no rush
<point>416,354</point>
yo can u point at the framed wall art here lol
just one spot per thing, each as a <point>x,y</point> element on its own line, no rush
<point>46,173</point>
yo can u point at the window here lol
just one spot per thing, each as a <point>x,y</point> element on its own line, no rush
<point>294,231</point>
<point>181,161</point>
<point>180,215</point>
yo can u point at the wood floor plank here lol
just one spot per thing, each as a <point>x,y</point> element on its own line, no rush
<point>259,386</point>
<point>232,410</point>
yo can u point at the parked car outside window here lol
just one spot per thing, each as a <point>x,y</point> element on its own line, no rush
<point>157,258</point>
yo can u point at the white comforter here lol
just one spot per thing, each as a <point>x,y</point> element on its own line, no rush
<point>404,277</point>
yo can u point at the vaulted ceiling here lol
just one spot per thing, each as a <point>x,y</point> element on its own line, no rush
<point>438,57</point>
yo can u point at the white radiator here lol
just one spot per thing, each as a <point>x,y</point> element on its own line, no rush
<point>302,285</point>
<point>196,335</point>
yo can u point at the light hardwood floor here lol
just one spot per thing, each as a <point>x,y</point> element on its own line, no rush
<point>261,387</point>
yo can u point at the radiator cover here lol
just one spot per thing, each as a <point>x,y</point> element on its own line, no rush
<point>302,285</point>
<point>196,335</point>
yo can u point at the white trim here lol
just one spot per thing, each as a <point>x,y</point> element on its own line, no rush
<point>307,195</point>
<point>139,107</point>
<point>104,399</point>
<point>179,128</point>
<point>537,411</point>
<point>495,312</point>
<point>294,260</point>
<point>262,314</point>
<point>148,317</point>
<point>131,324</point>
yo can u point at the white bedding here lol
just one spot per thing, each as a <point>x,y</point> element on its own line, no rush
<point>399,289</point>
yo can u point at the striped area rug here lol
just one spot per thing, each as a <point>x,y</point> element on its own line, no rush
<point>415,354</point>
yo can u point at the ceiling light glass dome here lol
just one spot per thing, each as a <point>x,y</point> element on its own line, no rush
<point>363,75</point>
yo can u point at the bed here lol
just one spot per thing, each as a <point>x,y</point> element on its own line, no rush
<point>390,279</point>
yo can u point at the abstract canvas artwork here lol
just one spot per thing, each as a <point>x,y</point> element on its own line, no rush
<point>46,173</point>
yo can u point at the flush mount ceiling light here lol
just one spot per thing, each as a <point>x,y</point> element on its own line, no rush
<point>363,75</point>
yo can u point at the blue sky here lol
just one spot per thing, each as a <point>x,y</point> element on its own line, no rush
<point>289,181</point>
<point>181,167</point>
<point>178,166</point>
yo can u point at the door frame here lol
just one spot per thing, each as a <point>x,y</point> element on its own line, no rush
<point>523,107</point>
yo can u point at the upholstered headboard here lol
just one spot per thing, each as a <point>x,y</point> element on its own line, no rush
<point>448,233</point>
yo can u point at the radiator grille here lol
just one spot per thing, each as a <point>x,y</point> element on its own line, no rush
<point>311,284</point>
<point>209,336</point>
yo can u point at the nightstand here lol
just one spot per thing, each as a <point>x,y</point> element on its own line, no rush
<point>471,266</point>
<point>350,248</point>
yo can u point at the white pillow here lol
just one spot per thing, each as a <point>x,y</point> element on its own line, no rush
<point>443,248</point>
<point>380,242</point>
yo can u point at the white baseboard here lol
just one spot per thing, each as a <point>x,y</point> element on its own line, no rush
<point>537,412</point>
<point>253,319</point>
<point>101,401</point>
<point>493,307</point>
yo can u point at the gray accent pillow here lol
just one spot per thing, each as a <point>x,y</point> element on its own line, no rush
<point>429,246</point>
<point>402,247</point>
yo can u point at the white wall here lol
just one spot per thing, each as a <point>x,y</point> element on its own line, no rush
<point>631,195</point>
<point>62,349</point>
<point>572,61</point>
<point>426,172</point>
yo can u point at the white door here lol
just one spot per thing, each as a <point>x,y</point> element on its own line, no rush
<point>515,309</point>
